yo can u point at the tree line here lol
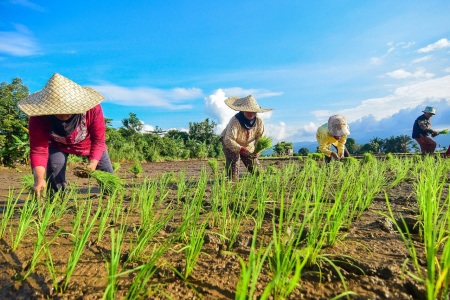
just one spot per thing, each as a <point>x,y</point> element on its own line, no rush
<point>130,143</point>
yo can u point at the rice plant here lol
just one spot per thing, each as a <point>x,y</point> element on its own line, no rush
<point>262,144</point>
<point>136,169</point>
<point>26,217</point>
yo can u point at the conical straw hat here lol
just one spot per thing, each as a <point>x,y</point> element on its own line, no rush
<point>60,96</point>
<point>245,104</point>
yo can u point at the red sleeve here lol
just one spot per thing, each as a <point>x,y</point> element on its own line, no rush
<point>39,132</point>
<point>97,130</point>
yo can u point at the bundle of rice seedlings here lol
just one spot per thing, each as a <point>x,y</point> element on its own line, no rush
<point>107,182</point>
<point>262,144</point>
<point>445,131</point>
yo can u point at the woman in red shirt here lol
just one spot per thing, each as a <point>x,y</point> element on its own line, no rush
<point>65,118</point>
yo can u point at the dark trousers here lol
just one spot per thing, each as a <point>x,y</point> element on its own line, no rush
<point>57,163</point>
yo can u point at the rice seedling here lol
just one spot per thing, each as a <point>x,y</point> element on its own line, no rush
<point>136,169</point>
<point>26,216</point>
<point>107,182</point>
<point>79,243</point>
<point>106,210</point>
<point>27,181</point>
<point>8,211</point>
<point>263,143</point>
<point>112,266</point>
<point>41,229</point>
<point>251,271</point>
<point>285,262</point>
<point>116,166</point>
<point>445,131</point>
<point>193,249</point>
<point>214,164</point>
<point>368,158</point>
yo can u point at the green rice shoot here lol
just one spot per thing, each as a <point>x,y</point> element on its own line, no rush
<point>262,144</point>
<point>445,131</point>
<point>108,183</point>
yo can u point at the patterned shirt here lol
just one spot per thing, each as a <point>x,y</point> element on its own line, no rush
<point>235,136</point>
<point>325,140</point>
<point>422,126</point>
<point>88,139</point>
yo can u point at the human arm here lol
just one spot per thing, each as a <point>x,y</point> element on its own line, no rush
<point>425,126</point>
<point>97,131</point>
<point>39,180</point>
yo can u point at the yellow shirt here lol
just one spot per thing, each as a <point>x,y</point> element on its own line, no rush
<point>325,140</point>
<point>235,136</point>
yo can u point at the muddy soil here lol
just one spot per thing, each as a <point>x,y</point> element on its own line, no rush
<point>370,255</point>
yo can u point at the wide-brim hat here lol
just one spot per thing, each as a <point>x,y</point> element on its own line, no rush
<point>245,104</point>
<point>60,96</point>
<point>429,110</point>
<point>337,126</point>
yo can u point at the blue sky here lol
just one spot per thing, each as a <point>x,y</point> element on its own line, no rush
<point>378,63</point>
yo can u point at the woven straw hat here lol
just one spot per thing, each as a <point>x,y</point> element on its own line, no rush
<point>245,104</point>
<point>60,96</point>
<point>429,110</point>
<point>337,126</point>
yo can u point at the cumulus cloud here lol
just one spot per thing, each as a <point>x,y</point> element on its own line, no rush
<point>401,74</point>
<point>19,42</point>
<point>216,108</point>
<point>173,99</point>
<point>408,96</point>
<point>442,43</point>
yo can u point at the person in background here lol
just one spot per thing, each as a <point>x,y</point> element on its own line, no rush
<point>65,118</point>
<point>241,134</point>
<point>422,130</point>
<point>334,133</point>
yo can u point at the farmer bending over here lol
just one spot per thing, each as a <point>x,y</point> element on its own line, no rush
<point>241,134</point>
<point>422,130</point>
<point>333,133</point>
<point>65,118</point>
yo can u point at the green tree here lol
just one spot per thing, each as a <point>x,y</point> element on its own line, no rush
<point>283,148</point>
<point>303,151</point>
<point>13,122</point>
<point>352,146</point>
<point>205,140</point>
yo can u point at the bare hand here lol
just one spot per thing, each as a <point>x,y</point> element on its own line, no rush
<point>334,155</point>
<point>247,153</point>
<point>434,133</point>
<point>39,186</point>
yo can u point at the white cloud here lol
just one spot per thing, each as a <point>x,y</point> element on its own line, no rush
<point>142,96</point>
<point>447,70</point>
<point>421,59</point>
<point>405,97</point>
<point>18,43</point>
<point>401,74</point>
<point>442,43</point>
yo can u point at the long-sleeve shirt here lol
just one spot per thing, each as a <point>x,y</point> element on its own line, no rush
<point>422,126</point>
<point>325,140</point>
<point>87,140</point>
<point>235,136</point>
